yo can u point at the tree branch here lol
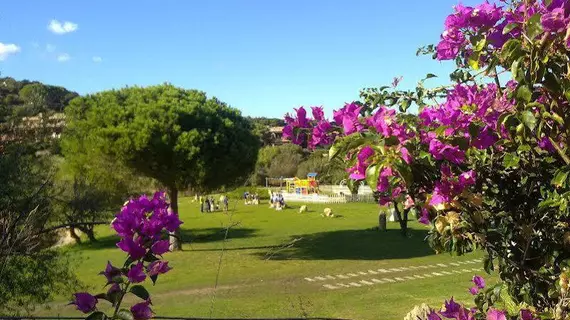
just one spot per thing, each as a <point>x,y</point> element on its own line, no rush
<point>67,225</point>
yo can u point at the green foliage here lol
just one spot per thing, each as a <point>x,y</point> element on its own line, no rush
<point>30,272</point>
<point>277,161</point>
<point>28,98</point>
<point>178,137</point>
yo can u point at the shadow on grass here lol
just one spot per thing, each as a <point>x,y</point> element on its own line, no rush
<point>204,235</point>
<point>366,244</point>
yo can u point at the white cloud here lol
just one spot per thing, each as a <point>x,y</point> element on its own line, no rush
<point>50,47</point>
<point>8,49</point>
<point>63,57</point>
<point>61,27</point>
<point>97,59</point>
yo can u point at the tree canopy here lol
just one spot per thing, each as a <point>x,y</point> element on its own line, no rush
<point>179,137</point>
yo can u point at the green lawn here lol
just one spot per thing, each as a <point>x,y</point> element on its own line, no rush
<point>269,254</point>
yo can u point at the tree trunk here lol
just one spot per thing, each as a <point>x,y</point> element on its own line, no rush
<point>175,242</point>
<point>403,219</point>
<point>89,232</point>
<point>74,235</point>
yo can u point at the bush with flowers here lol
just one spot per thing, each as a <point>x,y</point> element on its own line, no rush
<point>486,160</point>
<point>143,225</point>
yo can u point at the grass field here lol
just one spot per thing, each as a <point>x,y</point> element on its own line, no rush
<point>268,255</point>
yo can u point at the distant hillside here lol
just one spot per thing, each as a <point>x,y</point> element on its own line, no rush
<point>29,98</point>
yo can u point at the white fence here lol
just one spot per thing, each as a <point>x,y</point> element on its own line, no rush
<point>319,198</point>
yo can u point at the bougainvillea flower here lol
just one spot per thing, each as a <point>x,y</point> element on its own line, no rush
<point>479,282</point>
<point>141,311</point>
<point>110,272</point>
<point>84,302</point>
<point>133,249</point>
<point>554,21</point>
<point>494,314</point>
<point>348,117</point>
<point>136,273</point>
<point>433,316</point>
<point>160,247</point>
<point>474,290</point>
<point>157,267</point>
<point>424,218</point>
<point>318,113</point>
<point>450,309</point>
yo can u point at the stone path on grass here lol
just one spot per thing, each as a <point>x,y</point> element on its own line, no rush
<point>410,273</point>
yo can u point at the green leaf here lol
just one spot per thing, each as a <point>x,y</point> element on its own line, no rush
<point>511,160</point>
<point>524,93</point>
<point>509,27</point>
<point>528,119</point>
<point>125,314</point>
<point>140,292</point>
<point>333,151</point>
<point>518,74</point>
<point>97,315</point>
<point>559,179</point>
<point>473,130</point>
<point>474,60</point>
<point>429,76</point>
<point>534,27</point>
<point>523,148</point>
<point>511,50</point>
<point>480,45</point>
<point>405,172</point>
<point>372,173</point>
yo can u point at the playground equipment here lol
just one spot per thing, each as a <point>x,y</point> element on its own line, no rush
<point>303,186</point>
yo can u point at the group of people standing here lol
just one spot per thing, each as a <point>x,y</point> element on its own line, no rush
<point>249,198</point>
<point>207,204</point>
<point>277,201</point>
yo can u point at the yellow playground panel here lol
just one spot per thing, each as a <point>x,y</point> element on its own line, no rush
<point>303,186</point>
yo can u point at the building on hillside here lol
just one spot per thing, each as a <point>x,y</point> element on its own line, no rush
<point>39,126</point>
<point>276,135</point>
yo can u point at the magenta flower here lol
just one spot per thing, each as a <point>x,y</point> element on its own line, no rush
<point>318,113</point>
<point>479,282</point>
<point>141,311</point>
<point>110,272</point>
<point>554,21</point>
<point>433,316</point>
<point>466,179</point>
<point>171,221</point>
<point>348,117</point>
<point>157,267</point>
<point>321,136</point>
<point>451,309</point>
<point>424,218</point>
<point>383,182</point>
<point>474,290</point>
<point>113,289</point>
<point>545,144</point>
<point>406,155</point>
<point>302,120</point>
<point>160,247</point>
<point>527,315</point>
<point>84,302</point>
<point>382,121</point>
<point>494,314</point>
<point>358,171</point>
<point>129,246</point>
<point>136,273</point>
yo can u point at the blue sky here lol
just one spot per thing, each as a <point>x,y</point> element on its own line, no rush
<point>264,57</point>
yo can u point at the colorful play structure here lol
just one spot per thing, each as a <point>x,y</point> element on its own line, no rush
<point>303,186</point>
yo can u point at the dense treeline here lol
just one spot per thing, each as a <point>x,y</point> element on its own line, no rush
<point>29,98</point>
